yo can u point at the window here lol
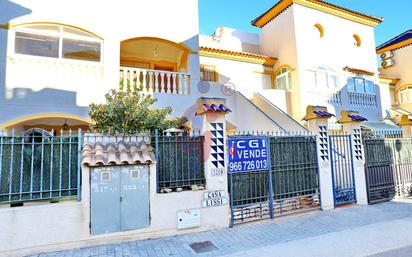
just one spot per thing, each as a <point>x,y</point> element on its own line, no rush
<point>323,78</point>
<point>208,73</point>
<point>57,41</point>
<point>320,29</point>
<point>357,41</point>
<point>284,79</point>
<point>406,95</point>
<point>361,85</point>
<point>38,45</point>
<point>265,79</point>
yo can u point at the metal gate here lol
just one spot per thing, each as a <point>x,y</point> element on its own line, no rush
<point>344,191</point>
<point>388,168</point>
<point>289,186</point>
<point>119,198</point>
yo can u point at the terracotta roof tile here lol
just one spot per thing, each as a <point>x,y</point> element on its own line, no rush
<point>120,153</point>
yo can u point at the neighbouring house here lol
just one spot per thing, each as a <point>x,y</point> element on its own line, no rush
<point>395,58</point>
<point>306,53</point>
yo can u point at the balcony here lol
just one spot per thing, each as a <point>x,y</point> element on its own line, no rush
<point>154,81</point>
<point>325,95</point>
<point>362,99</point>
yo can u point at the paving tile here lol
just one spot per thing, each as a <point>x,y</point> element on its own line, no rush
<point>252,235</point>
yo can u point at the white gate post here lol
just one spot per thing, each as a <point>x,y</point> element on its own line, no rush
<point>351,123</point>
<point>212,112</point>
<point>406,125</point>
<point>317,123</point>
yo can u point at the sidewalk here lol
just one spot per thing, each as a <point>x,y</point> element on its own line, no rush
<point>350,231</point>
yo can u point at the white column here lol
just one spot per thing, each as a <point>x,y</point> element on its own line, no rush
<point>168,84</point>
<point>215,155</point>
<point>174,83</point>
<point>319,127</point>
<point>156,73</point>
<point>213,128</point>
<point>151,85</point>
<point>180,79</point>
<point>354,129</point>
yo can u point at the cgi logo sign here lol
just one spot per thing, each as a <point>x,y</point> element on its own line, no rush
<point>247,154</point>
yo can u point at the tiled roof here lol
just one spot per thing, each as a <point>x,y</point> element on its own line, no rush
<point>357,70</point>
<point>324,114</point>
<point>120,153</point>
<point>396,40</point>
<point>282,5</point>
<point>215,108</point>
<point>357,118</point>
<point>240,56</point>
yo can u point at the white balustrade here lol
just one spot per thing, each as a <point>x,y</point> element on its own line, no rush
<point>39,73</point>
<point>156,81</point>
<point>324,96</point>
<point>362,99</point>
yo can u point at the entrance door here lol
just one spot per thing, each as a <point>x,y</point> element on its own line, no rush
<point>119,198</point>
<point>343,179</point>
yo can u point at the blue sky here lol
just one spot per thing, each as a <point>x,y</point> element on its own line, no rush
<point>238,14</point>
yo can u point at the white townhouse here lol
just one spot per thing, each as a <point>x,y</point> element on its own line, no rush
<point>57,57</point>
<point>312,53</point>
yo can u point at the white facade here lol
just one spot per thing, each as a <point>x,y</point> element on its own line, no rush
<point>33,85</point>
<point>325,55</point>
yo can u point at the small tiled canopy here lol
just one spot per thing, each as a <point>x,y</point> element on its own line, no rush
<point>351,116</point>
<point>316,112</point>
<point>120,153</point>
<point>215,108</point>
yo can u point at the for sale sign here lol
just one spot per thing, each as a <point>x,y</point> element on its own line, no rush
<point>248,154</point>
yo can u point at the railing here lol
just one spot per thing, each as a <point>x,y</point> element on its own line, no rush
<point>154,81</point>
<point>42,72</point>
<point>388,168</point>
<point>326,95</point>
<point>362,99</point>
<point>39,166</point>
<point>180,161</point>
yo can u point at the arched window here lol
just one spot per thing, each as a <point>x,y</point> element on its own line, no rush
<point>57,41</point>
<point>284,79</point>
<point>320,29</point>
<point>357,41</point>
<point>406,95</point>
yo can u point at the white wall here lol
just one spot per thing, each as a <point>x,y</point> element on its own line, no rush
<point>335,50</point>
<point>242,75</point>
<point>278,39</point>
<point>33,229</point>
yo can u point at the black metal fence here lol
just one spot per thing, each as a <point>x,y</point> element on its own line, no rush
<point>290,187</point>
<point>388,168</point>
<point>39,166</point>
<point>180,161</point>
